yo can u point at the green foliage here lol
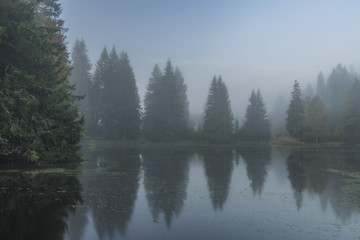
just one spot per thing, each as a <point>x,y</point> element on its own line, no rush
<point>296,113</point>
<point>166,105</point>
<point>256,126</point>
<point>36,114</point>
<point>218,118</point>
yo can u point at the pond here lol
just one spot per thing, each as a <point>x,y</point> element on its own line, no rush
<point>249,192</point>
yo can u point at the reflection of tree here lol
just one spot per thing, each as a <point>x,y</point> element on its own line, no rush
<point>110,189</point>
<point>165,179</point>
<point>35,205</point>
<point>328,174</point>
<point>297,176</point>
<point>257,158</point>
<point>218,170</point>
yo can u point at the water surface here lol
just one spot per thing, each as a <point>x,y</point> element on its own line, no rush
<point>251,192</point>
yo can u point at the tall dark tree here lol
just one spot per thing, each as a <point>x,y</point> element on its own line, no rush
<point>80,77</point>
<point>115,87</point>
<point>38,121</point>
<point>256,126</point>
<point>130,119</point>
<point>96,111</point>
<point>295,113</point>
<point>166,106</point>
<point>218,118</point>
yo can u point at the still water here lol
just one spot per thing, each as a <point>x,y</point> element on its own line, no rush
<point>251,192</point>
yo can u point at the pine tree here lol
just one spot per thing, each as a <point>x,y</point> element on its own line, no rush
<point>37,119</point>
<point>80,77</point>
<point>256,126</point>
<point>296,113</point>
<point>218,118</point>
<point>130,119</point>
<point>166,105</point>
<point>96,110</point>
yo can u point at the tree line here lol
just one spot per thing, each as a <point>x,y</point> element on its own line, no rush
<point>333,113</point>
<point>112,109</point>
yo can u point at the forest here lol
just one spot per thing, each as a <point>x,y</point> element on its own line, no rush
<point>50,98</point>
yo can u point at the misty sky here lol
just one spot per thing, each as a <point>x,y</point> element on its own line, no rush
<point>252,44</point>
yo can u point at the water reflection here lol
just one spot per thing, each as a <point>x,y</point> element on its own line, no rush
<point>218,168</point>
<point>111,183</point>
<point>332,176</point>
<point>257,158</point>
<point>35,204</point>
<point>165,180</point>
<point>183,195</point>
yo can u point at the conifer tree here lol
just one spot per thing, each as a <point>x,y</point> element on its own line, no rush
<point>295,113</point>
<point>96,110</point>
<point>256,126</point>
<point>80,77</point>
<point>37,120</point>
<point>218,118</point>
<point>166,105</point>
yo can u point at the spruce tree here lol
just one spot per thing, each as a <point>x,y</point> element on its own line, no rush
<point>38,121</point>
<point>80,77</point>
<point>129,109</point>
<point>218,118</point>
<point>256,126</point>
<point>96,109</point>
<point>166,106</point>
<point>295,113</point>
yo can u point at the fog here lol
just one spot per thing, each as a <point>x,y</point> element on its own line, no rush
<point>262,45</point>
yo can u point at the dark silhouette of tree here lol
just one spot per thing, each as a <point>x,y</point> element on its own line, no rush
<point>110,191</point>
<point>36,205</point>
<point>165,179</point>
<point>37,118</point>
<point>166,105</point>
<point>218,170</point>
<point>96,111</point>
<point>297,176</point>
<point>295,113</point>
<point>218,118</point>
<point>257,158</point>
<point>256,126</point>
<point>80,78</point>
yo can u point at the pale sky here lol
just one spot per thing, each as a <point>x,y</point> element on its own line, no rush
<point>251,44</point>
